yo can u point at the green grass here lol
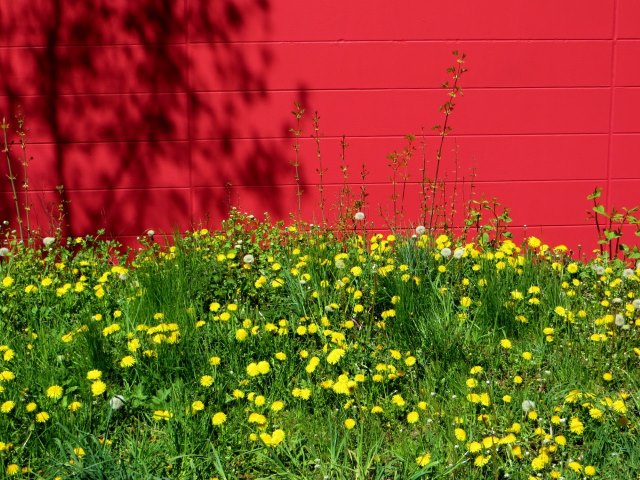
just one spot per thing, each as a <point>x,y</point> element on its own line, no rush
<point>405,324</point>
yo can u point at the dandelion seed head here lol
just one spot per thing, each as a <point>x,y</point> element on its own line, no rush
<point>117,402</point>
<point>528,406</point>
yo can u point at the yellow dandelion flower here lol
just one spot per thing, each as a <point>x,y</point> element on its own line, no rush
<point>133,345</point>
<point>257,419</point>
<point>12,469</point>
<point>539,462</point>
<point>335,355</point>
<point>128,361</point>
<point>508,439</point>
<point>575,466</point>
<point>423,460</point>
<point>474,447</point>
<point>42,417</point>
<point>560,311</point>
<point>253,370</point>
<point>197,406</point>
<point>218,418</point>
<point>98,388</point>
<point>488,442</point>
<point>206,380</point>
<point>277,437</point>
<point>303,393</point>
<point>595,413</point>
<point>619,406</point>
<point>7,406</point>
<point>74,406</point>
<point>349,423</point>
<point>263,367</point>
<point>413,417</point>
<point>238,394</point>
<point>277,406</point>
<point>576,426</point>
<point>54,392</point>
<point>534,242</point>
<point>506,343</point>
<point>162,415</point>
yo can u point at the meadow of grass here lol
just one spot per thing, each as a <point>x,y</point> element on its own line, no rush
<point>265,351</point>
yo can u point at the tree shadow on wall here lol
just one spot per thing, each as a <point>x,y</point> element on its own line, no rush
<point>134,108</point>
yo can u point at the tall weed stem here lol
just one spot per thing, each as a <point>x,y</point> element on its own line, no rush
<point>12,179</point>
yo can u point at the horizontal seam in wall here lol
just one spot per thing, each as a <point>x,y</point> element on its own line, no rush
<point>312,90</point>
<point>427,135</point>
<point>399,136</point>
<point>315,184</point>
<point>457,41</point>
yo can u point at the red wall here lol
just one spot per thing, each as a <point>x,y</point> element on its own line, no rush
<point>159,114</point>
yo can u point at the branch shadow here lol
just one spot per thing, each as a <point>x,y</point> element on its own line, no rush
<point>137,109</point>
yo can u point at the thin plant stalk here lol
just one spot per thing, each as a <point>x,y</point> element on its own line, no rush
<point>297,133</point>
<point>320,170</point>
<point>447,109</point>
<point>25,184</point>
<point>12,179</point>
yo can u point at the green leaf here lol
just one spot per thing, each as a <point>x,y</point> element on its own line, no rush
<point>596,194</point>
<point>599,209</point>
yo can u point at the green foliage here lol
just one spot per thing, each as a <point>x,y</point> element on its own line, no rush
<point>272,351</point>
<point>610,226</point>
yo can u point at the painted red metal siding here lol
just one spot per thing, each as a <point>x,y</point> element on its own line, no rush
<point>161,114</point>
